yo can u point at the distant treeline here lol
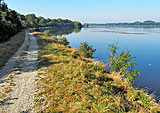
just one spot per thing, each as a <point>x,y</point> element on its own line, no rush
<point>148,23</point>
<point>31,20</point>
<point>11,22</point>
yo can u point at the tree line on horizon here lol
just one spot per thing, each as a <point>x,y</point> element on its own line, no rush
<point>148,23</point>
<point>11,22</point>
<point>31,20</point>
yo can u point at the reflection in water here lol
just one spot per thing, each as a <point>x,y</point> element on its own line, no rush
<point>62,30</point>
<point>77,30</point>
<point>144,43</point>
<point>146,48</point>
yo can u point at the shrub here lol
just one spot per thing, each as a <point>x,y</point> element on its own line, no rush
<point>48,33</point>
<point>75,84</point>
<point>122,63</point>
<point>64,41</point>
<point>55,38</point>
<point>86,50</point>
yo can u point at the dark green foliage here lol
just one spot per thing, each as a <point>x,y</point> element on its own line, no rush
<point>10,23</point>
<point>86,50</point>
<point>122,63</point>
<point>64,41</point>
<point>55,38</point>
<point>32,21</point>
<point>47,33</point>
<point>77,24</point>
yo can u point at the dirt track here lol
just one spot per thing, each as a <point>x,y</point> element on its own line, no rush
<point>18,78</point>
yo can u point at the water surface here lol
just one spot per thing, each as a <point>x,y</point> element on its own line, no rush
<point>144,44</point>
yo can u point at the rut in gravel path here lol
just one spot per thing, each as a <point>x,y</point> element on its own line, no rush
<point>19,81</point>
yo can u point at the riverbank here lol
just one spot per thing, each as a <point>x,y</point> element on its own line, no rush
<point>8,49</point>
<point>69,82</point>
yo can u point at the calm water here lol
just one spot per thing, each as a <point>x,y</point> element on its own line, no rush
<point>144,44</point>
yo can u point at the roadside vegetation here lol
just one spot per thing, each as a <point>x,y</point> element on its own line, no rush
<point>8,48</point>
<point>11,22</point>
<point>69,80</point>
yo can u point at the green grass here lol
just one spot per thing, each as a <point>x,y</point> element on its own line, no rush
<point>8,49</point>
<point>69,82</point>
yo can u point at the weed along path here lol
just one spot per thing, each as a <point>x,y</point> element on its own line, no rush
<point>17,83</point>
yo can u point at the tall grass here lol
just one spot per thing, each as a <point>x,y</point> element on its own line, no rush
<point>7,49</point>
<point>70,82</point>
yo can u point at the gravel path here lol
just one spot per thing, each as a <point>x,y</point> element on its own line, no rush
<point>18,78</point>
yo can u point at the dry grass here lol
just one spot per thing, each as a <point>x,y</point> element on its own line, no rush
<point>68,82</point>
<point>7,49</point>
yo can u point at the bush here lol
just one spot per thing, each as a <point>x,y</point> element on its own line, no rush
<point>122,63</point>
<point>55,38</point>
<point>86,50</point>
<point>48,33</point>
<point>64,41</point>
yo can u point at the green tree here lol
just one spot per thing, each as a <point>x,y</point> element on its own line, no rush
<point>122,63</point>
<point>10,23</point>
<point>77,24</point>
<point>64,41</point>
<point>47,33</point>
<point>31,19</point>
<point>86,50</point>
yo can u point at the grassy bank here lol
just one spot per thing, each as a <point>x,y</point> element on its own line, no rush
<point>7,49</point>
<point>69,82</point>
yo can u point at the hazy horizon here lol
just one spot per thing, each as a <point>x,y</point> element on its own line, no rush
<point>91,11</point>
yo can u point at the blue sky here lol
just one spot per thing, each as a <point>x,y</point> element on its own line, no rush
<point>91,11</point>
